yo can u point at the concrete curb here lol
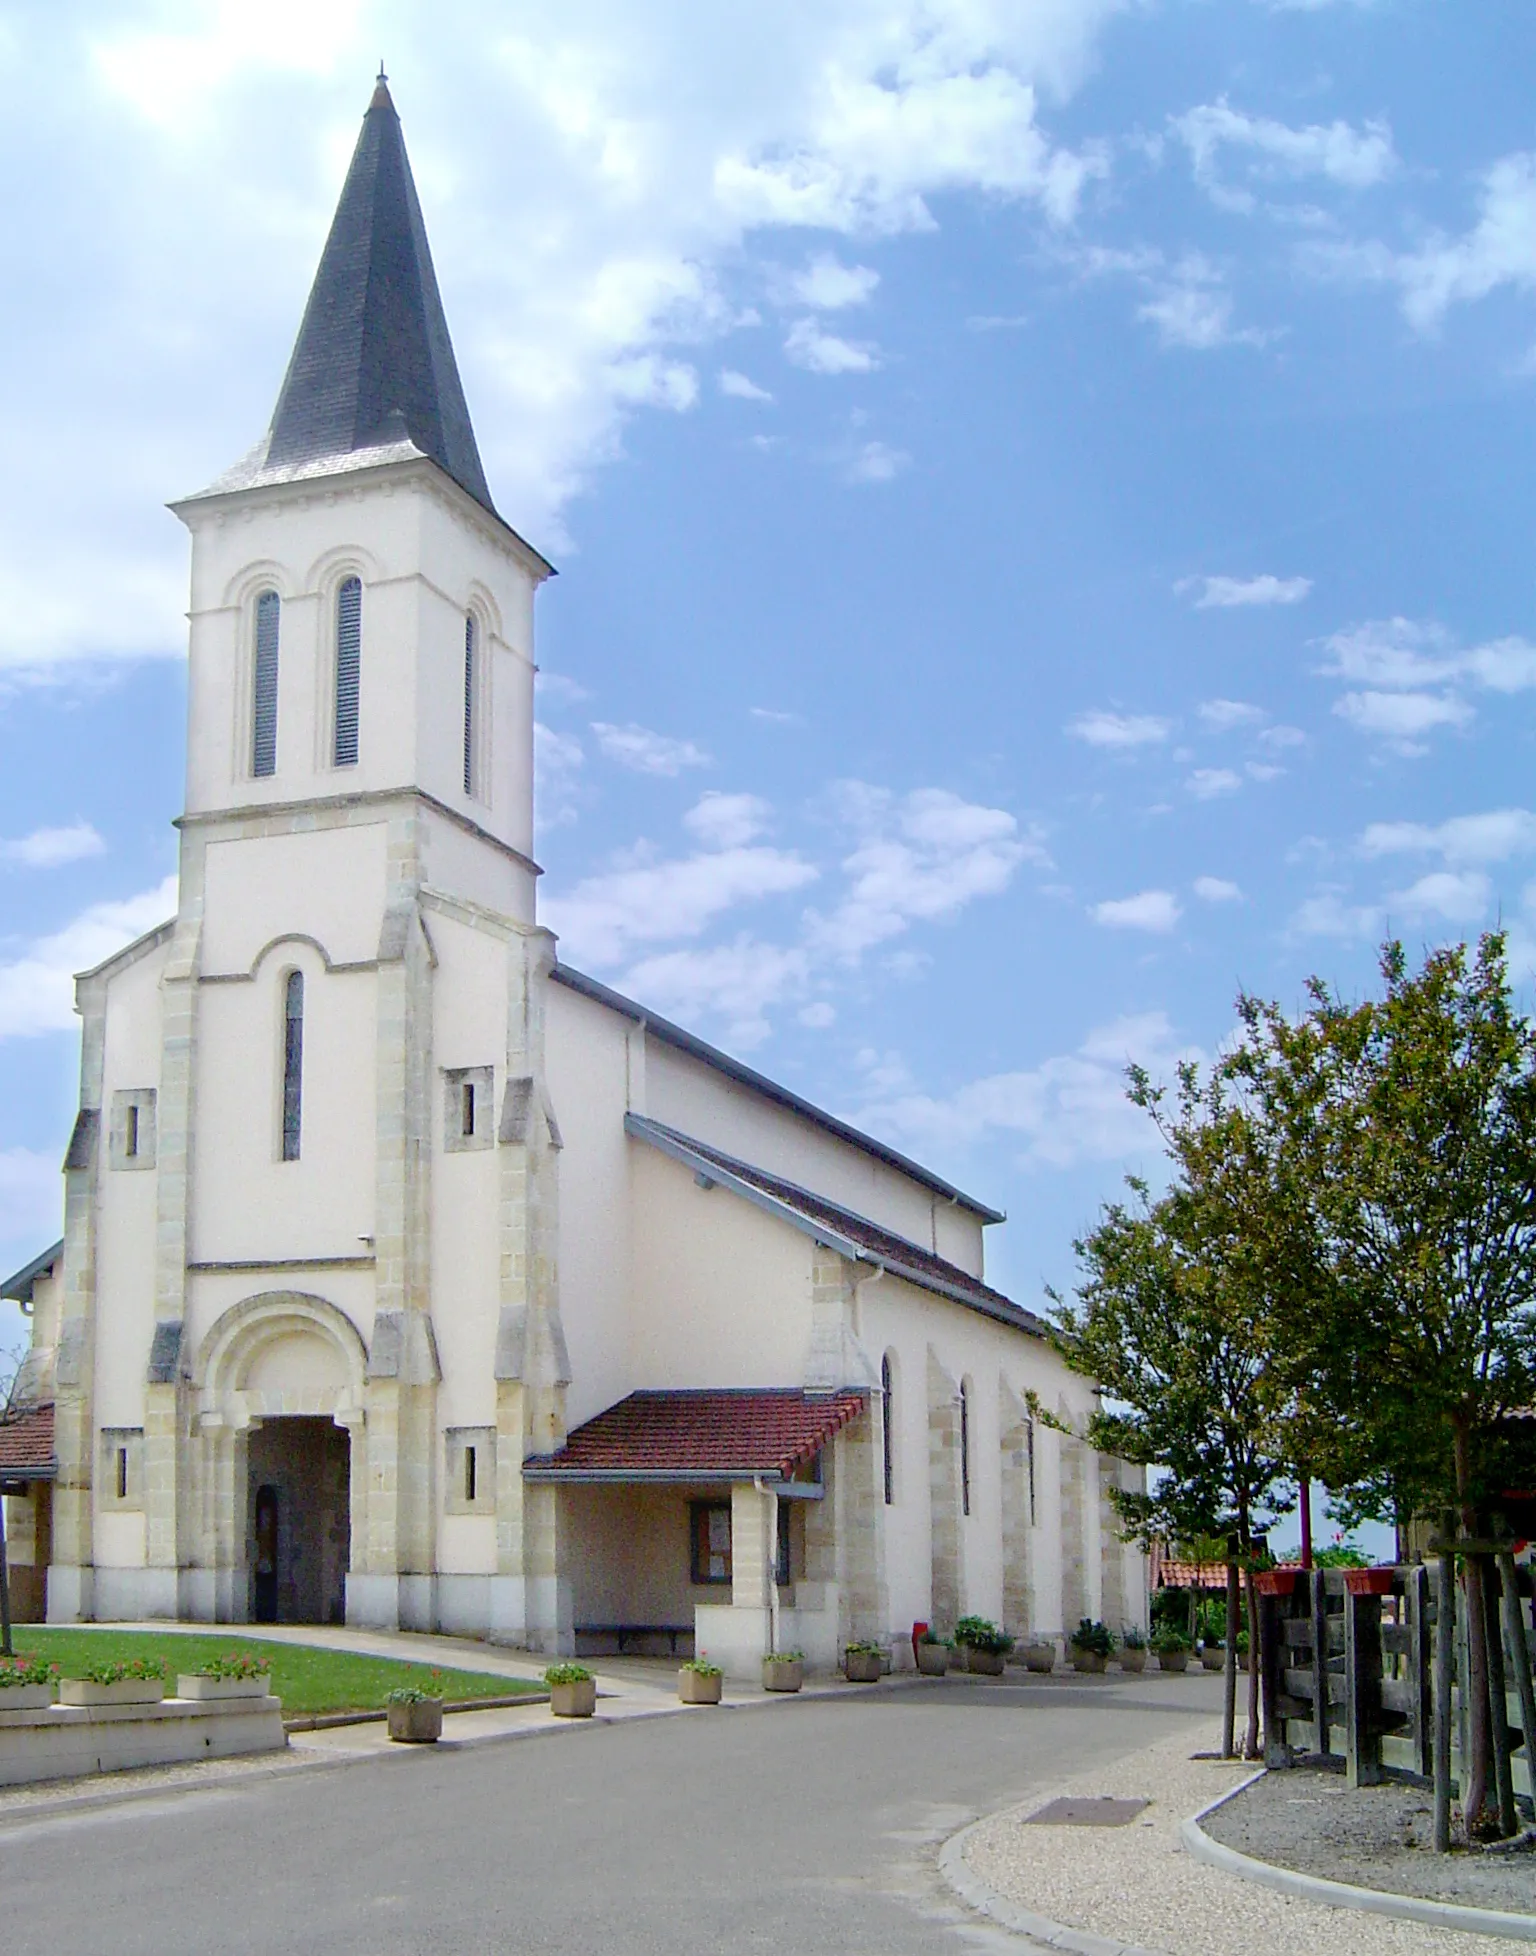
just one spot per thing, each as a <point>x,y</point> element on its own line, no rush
<point>1342,1894</point>
<point>985,1900</point>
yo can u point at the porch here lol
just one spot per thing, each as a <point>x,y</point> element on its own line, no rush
<point>702,1523</point>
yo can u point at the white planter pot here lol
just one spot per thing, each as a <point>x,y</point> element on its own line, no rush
<point>192,1685</point>
<point>26,1697</point>
<point>695,1688</point>
<point>132,1691</point>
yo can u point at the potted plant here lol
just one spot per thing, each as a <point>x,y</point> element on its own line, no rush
<point>572,1690</point>
<point>699,1682</point>
<point>415,1712</point>
<point>132,1681</point>
<point>784,1670</point>
<point>986,1647</point>
<point>1093,1644</point>
<point>1213,1655</point>
<point>1369,1582</point>
<point>236,1675</point>
<point>27,1683</point>
<point>1133,1649</point>
<point>1171,1648</point>
<point>862,1663</point>
<point>1279,1581</point>
<point>932,1652</point>
<point>1040,1657</point>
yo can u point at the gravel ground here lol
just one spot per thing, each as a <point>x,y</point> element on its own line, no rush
<point>1376,1837</point>
<point>1138,1885</point>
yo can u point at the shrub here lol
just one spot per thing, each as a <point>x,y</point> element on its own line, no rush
<point>17,1671</point>
<point>701,1667</point>
<point>236,1664</point>
<point>567,1674</point>
<point>1095,1637</point>
<point>863,1650</point>
<point>933,1637</point>
<point>1167,1640</point>
<point>414,1694</point>
<point>786,1656</point>
<point>1132,1639</point>
<point>976,1633</point>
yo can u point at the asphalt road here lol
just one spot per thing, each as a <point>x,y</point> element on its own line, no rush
<point>809,1826</point>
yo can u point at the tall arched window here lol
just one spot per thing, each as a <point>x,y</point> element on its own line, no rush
<point>293,1063</point>
<point>349,655</point>
<point>965,1446</point>
<point>887,1444</point>
<point>471,677</point>
<point>264,685</point>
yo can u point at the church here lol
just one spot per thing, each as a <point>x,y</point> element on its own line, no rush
<point>411,1277</point>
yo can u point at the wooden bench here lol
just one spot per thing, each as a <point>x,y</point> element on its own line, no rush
<point>620,1639</point>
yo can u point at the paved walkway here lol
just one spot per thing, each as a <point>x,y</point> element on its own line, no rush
<point>1138,1889</point>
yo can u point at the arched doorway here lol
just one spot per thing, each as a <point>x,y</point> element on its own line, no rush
<point>298,1473</point>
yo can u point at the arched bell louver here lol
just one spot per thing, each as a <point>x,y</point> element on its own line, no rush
<point>269,607</point>
<point>293,1064</point>
<point>349,658</point>
<point>471,681</point>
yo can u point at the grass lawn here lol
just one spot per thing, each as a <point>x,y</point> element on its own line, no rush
<point>308,1680</point>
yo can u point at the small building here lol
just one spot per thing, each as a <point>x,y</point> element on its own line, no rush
<point>411,1277</point>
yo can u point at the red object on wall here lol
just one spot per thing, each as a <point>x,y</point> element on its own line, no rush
<point>1368,1582</point>
<point>917,1638</point>
<point>1276,1582</point>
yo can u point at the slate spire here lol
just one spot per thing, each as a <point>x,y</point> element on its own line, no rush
<point>373,364</point>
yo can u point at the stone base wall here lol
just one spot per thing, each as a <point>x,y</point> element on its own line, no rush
<point>68,1742</point>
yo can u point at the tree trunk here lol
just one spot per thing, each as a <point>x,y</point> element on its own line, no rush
<point>1304,1503</point>
<point>1229,1669</point>
<point>1251,1743</point>
<point>5,1591</point>
<point>1474,1792</point>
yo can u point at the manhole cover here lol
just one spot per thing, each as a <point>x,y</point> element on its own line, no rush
<point>1086,1813</point>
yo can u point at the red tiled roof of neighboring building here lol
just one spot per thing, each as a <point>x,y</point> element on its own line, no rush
<point>26,1444</point>
<point>700,1435</point>
<point>1189,1575</point>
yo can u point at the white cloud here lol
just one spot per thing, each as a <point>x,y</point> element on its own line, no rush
<point>917,857</point>
<point>1196,312</point>
<point>1281,738</point>
<point>818,1015</point>
<point>559,686</point>
<point>1489,838</point>
<point>1206,783</point>
<point>557,763</point>
<point>1327,914</point>
<point>727,821</point>
<point>1216,889</point>
<point>1069,1109</point>
<point>51,848</point>
<point>1225,593</point>
<point>1498,250</point>
<point>649,901</point>
<point>649,149</point>
<point>1402,719</point>
<point>1355,159</point>
<point>820,352</point>
<point>1224,716</point>
<point>645,752</point>
<point>31,1204</point>
<point>827,285</point>
<point>1262,770</point>
<point>1104,729</point>
<point>37,992</point>
<point>734,983</point>
<point>1460,896</point>
<point>775,716</point>
<point>739,388</point>
<point>875,461</point>
<point>1154,910</point>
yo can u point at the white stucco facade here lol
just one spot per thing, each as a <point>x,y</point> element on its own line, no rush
<point>323,1308</point>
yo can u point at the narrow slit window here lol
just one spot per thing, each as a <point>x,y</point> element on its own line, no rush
<point>122,1473</point>
<point>131,1133</point>
<point>470,655</point>
<point>467,1110</point>
<point>1029,1443</point>
<point>293,1063</point>
<point>264,685</point>
<point>965,1449</point>
<point>469,1473</point>
<point>349,656</point>
<point>887,1448</point>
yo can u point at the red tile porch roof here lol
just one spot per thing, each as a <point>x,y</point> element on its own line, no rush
<point>700,1436</point>
<point>26,1445</point>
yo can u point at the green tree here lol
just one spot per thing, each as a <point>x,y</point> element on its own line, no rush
<point>1406,1130</point>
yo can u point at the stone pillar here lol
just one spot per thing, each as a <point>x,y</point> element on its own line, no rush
<point>864,1615</point>
<point>1112,1591</point>
<point>1015,1437</point>
<point>1075,1600</point>
<point>946,1553</point>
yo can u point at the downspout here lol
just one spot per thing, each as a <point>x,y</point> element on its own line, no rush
<point>770,1533</point>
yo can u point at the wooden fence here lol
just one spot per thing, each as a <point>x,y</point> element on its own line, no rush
<point>1347,1676</point>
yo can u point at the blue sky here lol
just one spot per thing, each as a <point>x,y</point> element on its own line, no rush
<point>1041,490</point>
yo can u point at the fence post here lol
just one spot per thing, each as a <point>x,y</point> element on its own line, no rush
<point>1445,1672</point>
<point>1498,1693</point>
<point>1362,1689</point>
<point>1277,1753</point>
<point>1417,1598</point>
<point>1319,1660</point>
<point>1520,1657</point>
